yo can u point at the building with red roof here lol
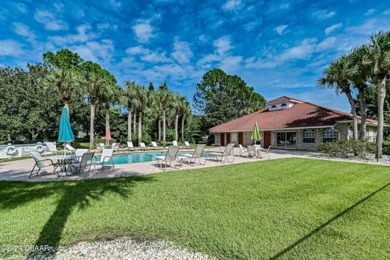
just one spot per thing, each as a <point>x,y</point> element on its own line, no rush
<point>291,123</point>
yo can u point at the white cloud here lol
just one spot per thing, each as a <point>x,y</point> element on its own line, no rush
<point>83,35</point>
<point>333,27</point>
<point>182,52</point>
<point>96,51</point>
<point>143,30</point>
<point>50,22</point>
<point>23,30</point>
<point>10,48</point>
<point>223,44</point>
<point>231,5</point>
<point>369,12</point>
<point>280,29</point>
<point>386,12</point>
<point>148,55</point>
<point>107,26</point>
<point>251,26</point>
<point>116,3</point>
<point>326,44</point>
<point>367,27</point>
<point>22,8</point>
<point>324,14</point>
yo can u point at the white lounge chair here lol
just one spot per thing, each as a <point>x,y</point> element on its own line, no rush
<point>106,157</point>
<point>174,143</point>
<point>70,148</point>
<point>224,154</point>
<point>266,151</point>
<point>197,155</point>
<point>115,146</point>
<point>169,158</point>
<point>130,146</point>
<point>42,163</point>
<point>85,162</point>
<point>187,144</point>
<point>155,146</point>
<point>52,147</point>
<point>250,152</point>
<point>142,146</point>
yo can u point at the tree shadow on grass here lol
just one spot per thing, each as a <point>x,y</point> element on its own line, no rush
<point>324,225</point>
<point>74,194</point>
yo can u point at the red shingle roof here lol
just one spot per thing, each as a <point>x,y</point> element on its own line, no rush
<point>302,114</point>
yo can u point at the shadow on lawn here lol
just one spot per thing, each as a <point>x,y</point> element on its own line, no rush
<point>74,194</point>
<point>319,228</point>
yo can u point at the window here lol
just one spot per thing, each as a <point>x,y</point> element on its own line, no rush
<point>273,106</point>
<point>309,136</point>
<point>283,105</point>
<point>329,134</point>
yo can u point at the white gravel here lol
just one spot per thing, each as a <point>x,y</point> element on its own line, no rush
<point>120,248</point>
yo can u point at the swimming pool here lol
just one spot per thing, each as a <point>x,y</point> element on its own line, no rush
<point>141,157</point>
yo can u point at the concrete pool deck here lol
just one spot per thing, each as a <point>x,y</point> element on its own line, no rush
<point>20,170</point>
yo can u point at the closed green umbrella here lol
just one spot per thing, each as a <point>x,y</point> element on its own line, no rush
<point>65,135</point>
<point>255,133</point>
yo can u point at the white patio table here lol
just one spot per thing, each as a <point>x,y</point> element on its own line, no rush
<point>258,150</point>
<point>63,160</point>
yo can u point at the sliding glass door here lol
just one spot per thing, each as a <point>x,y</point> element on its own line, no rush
<point>286,139</point>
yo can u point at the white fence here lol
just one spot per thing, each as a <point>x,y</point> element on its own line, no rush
<point>21,150</point>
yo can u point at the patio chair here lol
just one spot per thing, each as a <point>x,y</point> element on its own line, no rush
<point>100,146</point>
<point>142,146</point>
<point>42,163</point>
<point>85,162</point>
<point>70,148</point>
<point>130,146</point>
<point>187,144</point>
<point>106,157</point>
<point>223,155</point>
<point>170,157</point>
<point>115,146</point>
<point>155,146</point>
<point>81,152</point>
<point>197,155</point>
<point>52,147</point>
<point>266,151</point>
<point>250,152</point>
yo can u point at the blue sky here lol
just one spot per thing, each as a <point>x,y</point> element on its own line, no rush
<point>277,47</point>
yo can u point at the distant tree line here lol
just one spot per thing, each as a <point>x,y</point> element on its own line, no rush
<point>31,101</point>
<point>364,70</point>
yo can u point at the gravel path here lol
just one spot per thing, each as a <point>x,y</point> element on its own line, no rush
<point>120,248</point>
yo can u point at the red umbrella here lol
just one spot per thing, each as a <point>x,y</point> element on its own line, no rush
<point>108,134</point>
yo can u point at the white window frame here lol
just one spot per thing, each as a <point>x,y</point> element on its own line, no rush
<point>309,134</point>
<point>330,134</point>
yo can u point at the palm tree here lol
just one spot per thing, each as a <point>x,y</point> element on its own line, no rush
<point>378,60</point>
<point>336,75</point>
<point>110,96</point>
<point>94,82</point>
<point>142,97</point>
<point>185,111</point>
<point>358,74</point>
<point>129,99</point>
<point>165,97</point>
<point>176,103</point>
<point>65,82</point>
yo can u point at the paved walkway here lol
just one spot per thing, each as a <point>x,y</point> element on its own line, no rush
<point>20,170</point>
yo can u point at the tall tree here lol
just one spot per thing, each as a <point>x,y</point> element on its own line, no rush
<point>129,99</point>
<point>378,59</point>
<point>185,111</point>
<point>62,59</point>
<point>165,97</point>
<point>358,75</point>
<point>142,97</point>
<point>176,103</point>
<point>336,76</point>
<point>221,97</point>
<point>94,81</point>
<point>109,98</point>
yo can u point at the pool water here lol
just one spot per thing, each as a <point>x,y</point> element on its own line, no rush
<point>141,157</point>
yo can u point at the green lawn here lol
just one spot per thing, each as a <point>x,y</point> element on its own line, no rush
<point>287,208</point>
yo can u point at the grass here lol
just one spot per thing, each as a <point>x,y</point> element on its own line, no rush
<point>289,208</point>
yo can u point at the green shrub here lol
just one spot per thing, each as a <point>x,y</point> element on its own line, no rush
<point>348,148</point>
